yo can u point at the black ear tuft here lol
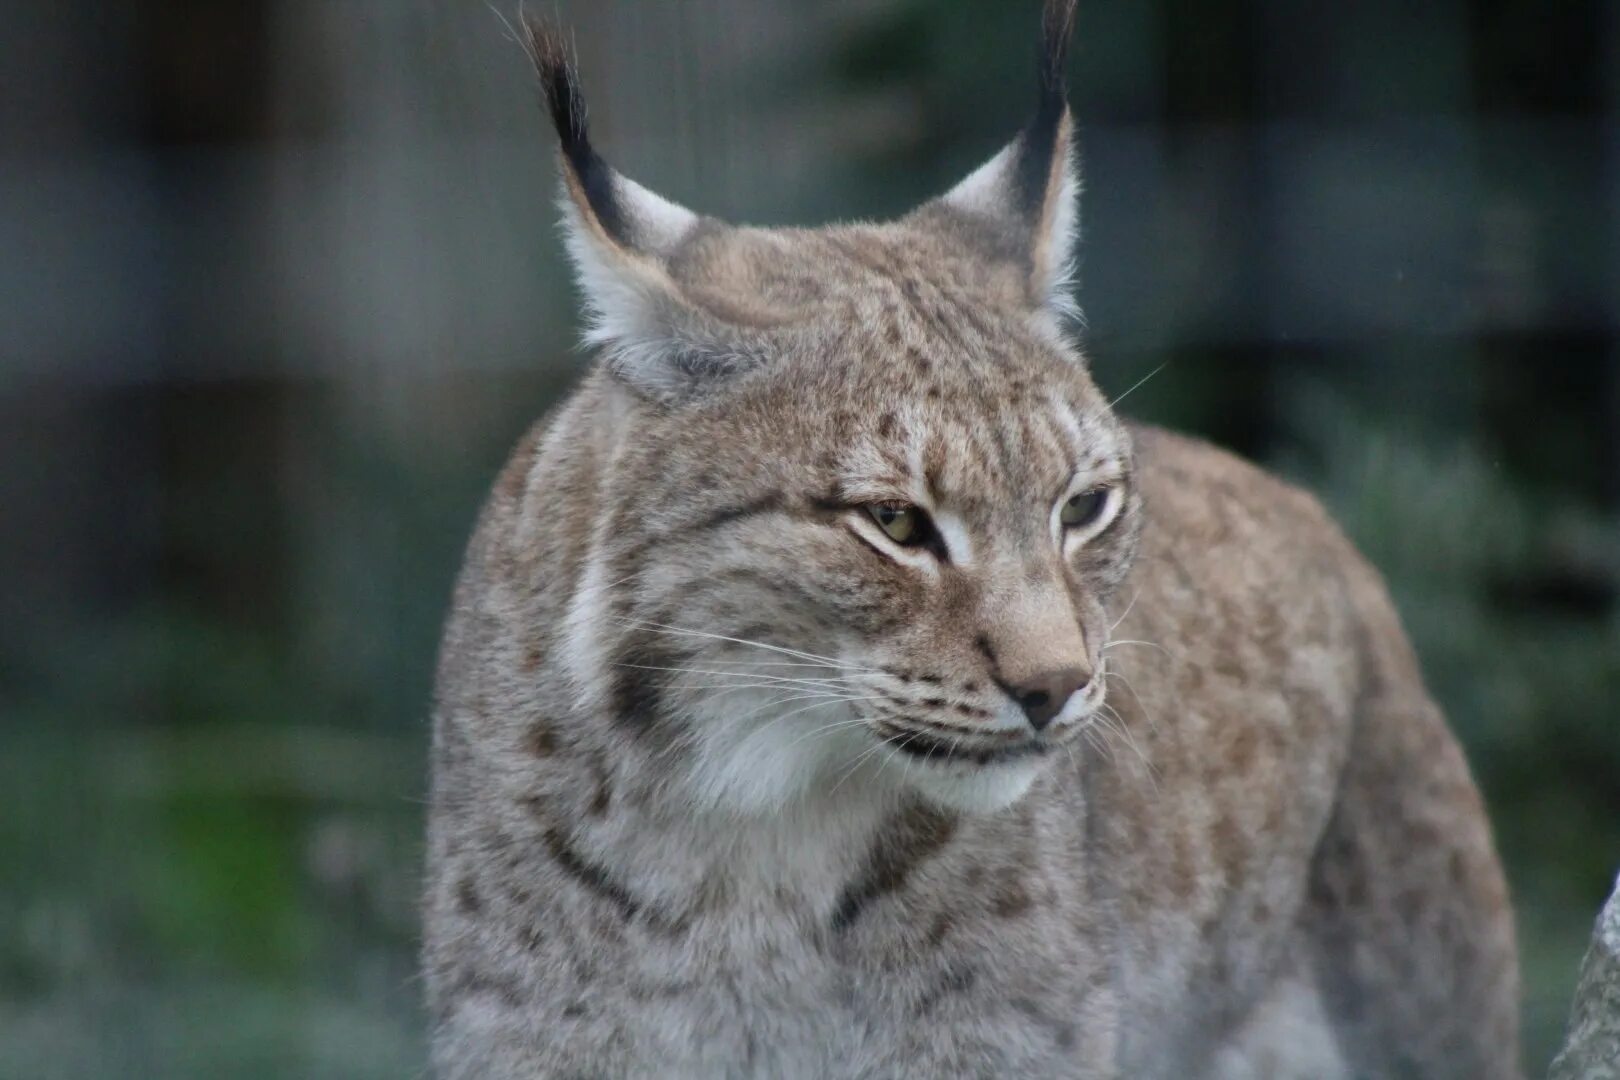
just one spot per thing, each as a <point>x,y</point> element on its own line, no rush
<point>1040,135</point>
<point>1057,27</point>
<point>559,81</point>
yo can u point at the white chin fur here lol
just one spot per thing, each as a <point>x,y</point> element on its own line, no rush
<point>752,759</point>
<point>974,789</point>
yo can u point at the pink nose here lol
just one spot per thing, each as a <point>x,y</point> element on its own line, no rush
<point>1043,696</point>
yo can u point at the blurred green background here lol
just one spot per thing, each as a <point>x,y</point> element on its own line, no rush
<point>281,284</point>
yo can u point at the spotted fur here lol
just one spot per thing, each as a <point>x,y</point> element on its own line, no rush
<point>726,783</point>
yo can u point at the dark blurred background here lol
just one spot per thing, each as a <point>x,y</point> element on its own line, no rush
<point>280,284</point>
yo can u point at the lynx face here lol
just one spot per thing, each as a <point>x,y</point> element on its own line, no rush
<point>873,505</point>
<point>883,552</point>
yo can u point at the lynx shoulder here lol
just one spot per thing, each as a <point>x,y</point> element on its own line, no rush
<point>837,687</point>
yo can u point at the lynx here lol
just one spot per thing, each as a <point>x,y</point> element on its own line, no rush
<point>836,686</point>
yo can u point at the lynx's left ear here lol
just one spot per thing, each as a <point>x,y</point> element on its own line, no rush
<point>1030,191</point>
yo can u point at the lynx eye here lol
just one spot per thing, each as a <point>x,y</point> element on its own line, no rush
<point>1084,508</point>
<point>905,525</point>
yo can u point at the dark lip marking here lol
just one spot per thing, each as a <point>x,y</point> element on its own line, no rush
<point>928,748</point>
<point>894,715</point>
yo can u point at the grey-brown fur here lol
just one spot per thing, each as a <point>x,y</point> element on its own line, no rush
<point>659,845</point>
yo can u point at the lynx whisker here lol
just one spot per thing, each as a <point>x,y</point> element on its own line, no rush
<point>1128,641</point>
<point>854,765</point>
<point>1138,384</point>
<point>1147,714</point>
<point>755,679</point>
<point>665,628</point>
<point>1126,613</point>
<point>1113,723</point>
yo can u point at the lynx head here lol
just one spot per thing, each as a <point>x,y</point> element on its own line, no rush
<point>864,505</point>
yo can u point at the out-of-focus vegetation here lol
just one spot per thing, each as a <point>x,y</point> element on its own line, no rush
<point>281,285</point>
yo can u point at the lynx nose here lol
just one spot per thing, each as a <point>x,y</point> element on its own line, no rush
<point>1043,696</point>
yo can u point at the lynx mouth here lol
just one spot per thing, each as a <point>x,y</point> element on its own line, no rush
<point>926,747</point>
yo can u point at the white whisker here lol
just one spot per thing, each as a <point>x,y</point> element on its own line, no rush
<point>666,628</point>
<point>784,680</point>
<point>1147,644</point>
<point>1137,384</point>
<point>1122,615</point>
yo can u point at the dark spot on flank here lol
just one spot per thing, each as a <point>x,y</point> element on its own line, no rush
<point>1011,900</point>
<point>468,902</point>
<point>942,926</point>
<point>1241,750</point>
<point>541,740</point>
<point>886,425</point>
<point>574,1010</point>
<point>533,656</point>
<point>602,797</point>
<point>914,835</point>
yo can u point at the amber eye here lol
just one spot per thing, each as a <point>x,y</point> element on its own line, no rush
<point>905,525</point>
<point>1084,509</point>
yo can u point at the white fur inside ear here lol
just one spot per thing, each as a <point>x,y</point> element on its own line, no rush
<point>620,290</point>
<point>1062,244</point>
<point>627,296</point>
<point>989,191</point>
<point>659,224</point>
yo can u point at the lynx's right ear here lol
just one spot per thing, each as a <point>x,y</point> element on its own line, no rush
<point>620,237</point>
